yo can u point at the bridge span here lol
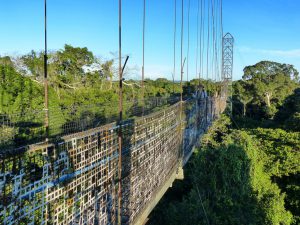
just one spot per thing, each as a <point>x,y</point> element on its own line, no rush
<point>75,180</point>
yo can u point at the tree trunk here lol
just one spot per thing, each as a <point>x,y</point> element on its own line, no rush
<point>268,98</point>
<point>244,109</point>
<point>110,80</point>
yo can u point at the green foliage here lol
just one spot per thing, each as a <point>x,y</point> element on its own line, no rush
<point>289,112</point>
<point>264,88</point>
<point>242,94</point>
<point>210,86</point>
<point>282,149</point>
<point>70,62</point>
<point>247,175</point>
<point>243,176</point>
<point>6,61</point>
<point>81,88</point>
<point>18,93</point>
<point>229,184</point>
<point>216,133</point>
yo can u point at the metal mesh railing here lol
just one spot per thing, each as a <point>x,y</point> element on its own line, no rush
<point>21,128</point>
<point>25,128</point>
<point>75,180</point>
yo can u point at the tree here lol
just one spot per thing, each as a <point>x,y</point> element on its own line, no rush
<point>70,62</point>
<point>289,112</point>
<point>229,184</point>
<point>35,64</point>
<point>270,83</point>
<point>243,94</point>
<point>6,61</point>
<point>107,72</point>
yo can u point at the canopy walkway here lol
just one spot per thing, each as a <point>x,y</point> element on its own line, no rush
<point>112,167</point>
<point>76,180</point>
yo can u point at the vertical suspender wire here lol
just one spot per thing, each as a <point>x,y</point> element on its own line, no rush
<point>197,47</point>
<point>202,39</point>
<point>181,78</point>
<point>174,58</point>
<point>207,56</point>
<point>215,26</point>
<point>120,115</point>
<point>222,72</point>
<point>46,73</point>
<point>224,85</point>
<point>213,64</point>
<point>181,56</point>
<point>212,54</point>
<point>188,47</point>
<point>208,36</point>
<point>220,53</point>
<point>220,40</point>
<point>221,18</point>
<point>218,24</point>
<point>143,67</point>
<point>212,41</point>
<point>214,37</point>
<point>217,40</point>
<point>221,36</point>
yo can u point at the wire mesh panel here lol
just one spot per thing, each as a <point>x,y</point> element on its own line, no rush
<point>74,180</point>
<point>198,115</point>
<point>23,180</point>
<point>21,128</point>
<point>154,153</point>
<point>87,194</point>
<point>70,183</point>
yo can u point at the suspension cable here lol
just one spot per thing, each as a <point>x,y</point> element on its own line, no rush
<point>188,47</point>
<point>46,97</point>
<point>120,116</point>
<point>213,40</point>
<point>217,39</point>
<point>143,67</point>
<point>208,41</point>
<point>202,38</point>
<point>197,47</point>
<point>175,25</point>
<point>181,54</point>
<point>221,38</point>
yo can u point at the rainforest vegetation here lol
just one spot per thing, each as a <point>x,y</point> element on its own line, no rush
<point>76,77</point>
<point>247,169</point>
<point>83,92</point>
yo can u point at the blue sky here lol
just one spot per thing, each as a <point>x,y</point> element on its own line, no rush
<point>263,30</point>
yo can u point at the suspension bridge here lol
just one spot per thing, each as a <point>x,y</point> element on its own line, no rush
<point>112,172</point>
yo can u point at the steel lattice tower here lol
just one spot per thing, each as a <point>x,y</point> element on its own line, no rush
<point>227,67</point>
<point>227,61</point>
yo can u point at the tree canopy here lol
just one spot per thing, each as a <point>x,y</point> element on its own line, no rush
<point>264,88</point>
<point>247,168</point>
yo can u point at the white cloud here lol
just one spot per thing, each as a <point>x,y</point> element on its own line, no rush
<point>294,53</point>
<point>158,71</point>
